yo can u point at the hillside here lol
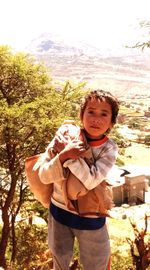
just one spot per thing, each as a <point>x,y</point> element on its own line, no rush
<point>123,71</point>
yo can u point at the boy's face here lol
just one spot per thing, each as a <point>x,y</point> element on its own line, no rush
<point>97,118</point>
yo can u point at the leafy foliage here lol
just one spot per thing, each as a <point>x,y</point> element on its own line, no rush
<point>31,109</point>
<point>134,123</point>
<point>143,45</point>
<point>31,247</point>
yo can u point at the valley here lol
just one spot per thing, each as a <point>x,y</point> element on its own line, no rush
<point>124,71</point>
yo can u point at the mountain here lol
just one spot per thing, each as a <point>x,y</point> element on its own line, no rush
<point>123,70</point>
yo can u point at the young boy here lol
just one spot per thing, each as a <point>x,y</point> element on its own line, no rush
<point>98,115</point>
<point>77,198</point>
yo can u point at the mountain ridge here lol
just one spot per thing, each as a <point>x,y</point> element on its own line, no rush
<point>124,71</point>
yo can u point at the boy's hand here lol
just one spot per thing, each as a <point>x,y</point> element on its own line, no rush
<point>60,143</point>
<point>72,150</point>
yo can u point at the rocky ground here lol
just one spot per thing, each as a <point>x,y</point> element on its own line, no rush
<point>135,213</point>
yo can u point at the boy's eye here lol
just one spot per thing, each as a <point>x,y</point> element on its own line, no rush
<point>104,114</point>
<point>90,112</point>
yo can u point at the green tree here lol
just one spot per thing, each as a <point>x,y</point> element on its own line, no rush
<point>31,109</point>
<point>134,123</point>
<point>145,44</point>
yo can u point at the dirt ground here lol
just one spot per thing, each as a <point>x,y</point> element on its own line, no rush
<point>137,154</point>
<point>120,224</point>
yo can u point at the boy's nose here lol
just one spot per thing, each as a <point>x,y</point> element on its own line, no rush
<point>96,121</point>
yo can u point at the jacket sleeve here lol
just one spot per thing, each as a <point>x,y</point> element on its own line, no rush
<point>92,175</point>
<point>50,169</point>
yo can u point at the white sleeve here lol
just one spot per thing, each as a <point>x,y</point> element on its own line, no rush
<point>51,169</point>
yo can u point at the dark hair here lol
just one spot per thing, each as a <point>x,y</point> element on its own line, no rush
<point>102,96</point>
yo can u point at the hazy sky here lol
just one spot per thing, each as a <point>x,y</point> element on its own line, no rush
<point>104,23</point>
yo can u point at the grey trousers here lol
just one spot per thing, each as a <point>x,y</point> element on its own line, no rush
<point>94,246</point>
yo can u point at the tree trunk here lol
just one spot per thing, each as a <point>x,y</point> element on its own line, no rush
<point>4,238</point>
<point>11,154</point>
<point>13,255</point>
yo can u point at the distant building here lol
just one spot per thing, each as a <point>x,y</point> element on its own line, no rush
<point>132,191</point>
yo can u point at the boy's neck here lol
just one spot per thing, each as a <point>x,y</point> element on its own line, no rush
<point>93,139</point>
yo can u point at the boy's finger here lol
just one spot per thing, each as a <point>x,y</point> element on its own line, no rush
<point>61,139</point>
